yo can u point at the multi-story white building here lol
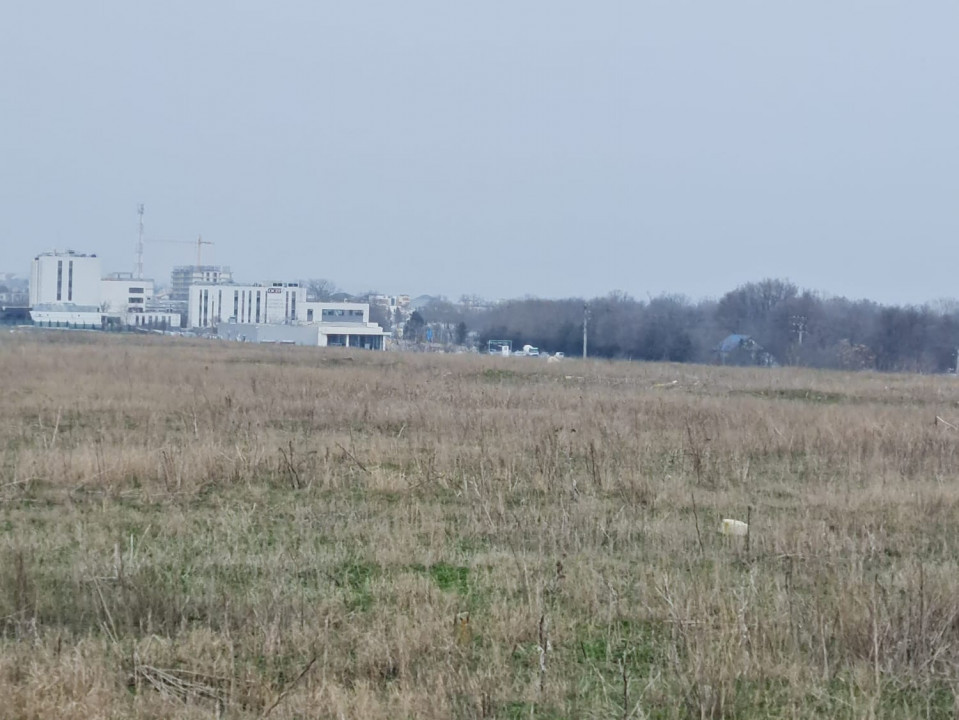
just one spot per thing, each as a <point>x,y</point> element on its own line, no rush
<point>66,289</point>
<point>65,277</point>
<point>128,300</point>
<point>123,293</point>
<point>184,276</point>
<point>280,313</point>
<point>211,304</point>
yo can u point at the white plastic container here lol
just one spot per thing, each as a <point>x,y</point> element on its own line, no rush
<point>736,528</point>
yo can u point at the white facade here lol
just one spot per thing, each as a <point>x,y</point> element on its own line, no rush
<point>335,312</point>
<point>66,315</point>
<point>212,304</point>
<point>65,278</point>
<point>369,336</point>
<point>153,319</point>
<point>122,293</point>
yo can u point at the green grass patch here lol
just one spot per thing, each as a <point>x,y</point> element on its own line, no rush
<point>637,644</point>
<point>449,578</point>
<point>355,577</point>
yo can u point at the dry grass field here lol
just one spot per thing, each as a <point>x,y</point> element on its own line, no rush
<point>196,530</point>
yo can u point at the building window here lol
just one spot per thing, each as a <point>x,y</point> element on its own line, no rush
<point>293,307</point>
<point>258,306</point>
<point>70,282</point>
<point>59,280</point>
<point>309,316</point>
<point>236,305</point>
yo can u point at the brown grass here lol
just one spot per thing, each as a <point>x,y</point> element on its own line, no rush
<point>200,529</point>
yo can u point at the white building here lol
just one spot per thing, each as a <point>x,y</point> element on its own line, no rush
<point>280,313</point>
<point>319,324</point>
<point>211,304</point>
<point>151,318</point>
<point>65,278</point>
<point>395,303</point>
<point>368,336</point>
<point>336,312</point>
<point>183,276</point>
<point>66,315</point>
<point>67,290</point>
<point>122,293</point>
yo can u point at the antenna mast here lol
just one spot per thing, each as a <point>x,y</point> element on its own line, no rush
<point>140,243</point>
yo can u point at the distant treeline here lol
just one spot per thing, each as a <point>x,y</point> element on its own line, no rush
<point>776,323</point>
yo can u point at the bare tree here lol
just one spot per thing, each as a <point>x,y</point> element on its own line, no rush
<point>318,289</point>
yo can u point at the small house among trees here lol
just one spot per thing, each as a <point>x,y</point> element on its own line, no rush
<point>738,349</point>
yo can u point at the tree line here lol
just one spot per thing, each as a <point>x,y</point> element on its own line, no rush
<point>774,321</point>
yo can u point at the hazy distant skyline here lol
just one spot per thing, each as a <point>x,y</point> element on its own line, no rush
<point>556,149</point>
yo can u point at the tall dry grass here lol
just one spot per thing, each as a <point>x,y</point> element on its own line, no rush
<point>199,529</point>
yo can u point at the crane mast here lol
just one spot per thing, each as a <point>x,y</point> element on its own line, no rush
<point>140,242</point>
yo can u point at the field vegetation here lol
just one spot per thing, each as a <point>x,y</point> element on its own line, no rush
<point>198,529</point>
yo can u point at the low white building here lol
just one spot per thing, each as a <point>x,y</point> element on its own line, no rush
<point>161,319</point>
<point>368,336</point>
<point>66,315</point>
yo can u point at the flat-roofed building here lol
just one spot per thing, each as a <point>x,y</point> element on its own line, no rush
<point>65,278</point>
<point>275,303</point>
<point>122,293</point>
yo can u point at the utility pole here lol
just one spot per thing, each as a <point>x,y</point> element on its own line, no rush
<point>140,243</point>
<point>799,325</point>
<point>585,323</point>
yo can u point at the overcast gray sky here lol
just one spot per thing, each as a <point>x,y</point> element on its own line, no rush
<point>498,148</point>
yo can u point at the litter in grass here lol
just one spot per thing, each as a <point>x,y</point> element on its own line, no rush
<point>736,528</point>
